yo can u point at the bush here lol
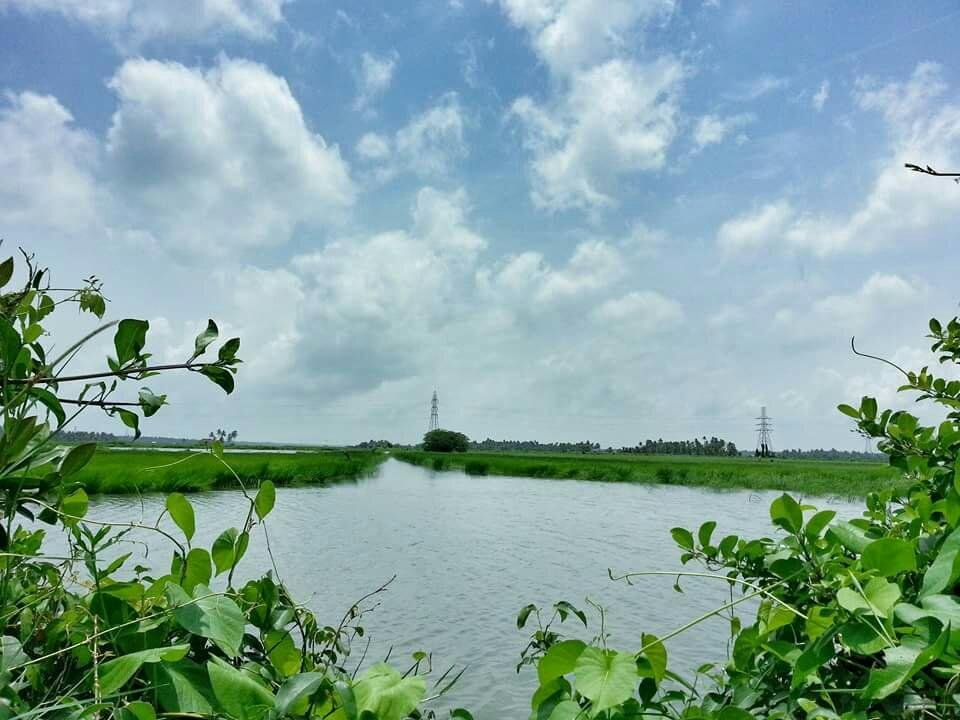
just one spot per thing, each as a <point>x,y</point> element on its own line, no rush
<point>445,441</point>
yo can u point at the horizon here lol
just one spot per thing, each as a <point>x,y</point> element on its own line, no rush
<point>634,222</point>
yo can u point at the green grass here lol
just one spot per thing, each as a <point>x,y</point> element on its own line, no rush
<point>126,471</point>
<point>812,477</point>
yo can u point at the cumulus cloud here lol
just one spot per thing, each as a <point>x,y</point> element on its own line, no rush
<point>133,22</point>
<point>573,34</point>
<point>219,158</point>
<point>758,87</point>
<point>428,146</point>
<point>714,129</point>
<point>619,117</point>
<point>921,124</point>
<point>46,167</point>
<point>639,312</point>
<point>755,229</point>
<point>376,74</point>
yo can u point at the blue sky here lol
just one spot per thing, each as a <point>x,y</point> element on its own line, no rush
<point>604,219</point>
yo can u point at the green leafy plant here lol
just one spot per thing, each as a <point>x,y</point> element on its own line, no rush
<point>445,441</point>
<point>855,618</point>
<point>86,635</point>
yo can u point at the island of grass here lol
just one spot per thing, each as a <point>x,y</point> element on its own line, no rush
<point>810,477</point>
<point>129,471</point>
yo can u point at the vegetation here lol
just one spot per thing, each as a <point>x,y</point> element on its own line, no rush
<point>855,619</point>
<point>84,635</point>
<point>714,447</point>
<point>807,477</point>
<point>445,441</point>
<point>832,454</point>
<point>123,471</point>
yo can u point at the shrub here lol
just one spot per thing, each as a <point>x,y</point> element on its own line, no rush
<point>445,441</point>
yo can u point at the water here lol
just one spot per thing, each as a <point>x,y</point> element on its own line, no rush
<point>468,552</point>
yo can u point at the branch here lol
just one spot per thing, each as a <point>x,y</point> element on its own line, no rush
<point>124,374</point>
<point>930,171</point>
<point>98,403</point>
<point>874,357</point>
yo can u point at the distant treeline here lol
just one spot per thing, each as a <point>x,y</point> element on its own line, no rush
<point>715,447</point>
<point>832,454</point>
<point>535,446</point>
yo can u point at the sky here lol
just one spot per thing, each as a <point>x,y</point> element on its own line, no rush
<point>575,219</point>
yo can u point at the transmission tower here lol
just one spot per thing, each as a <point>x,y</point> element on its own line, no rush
<point>434,413</point>
<point>764,432</point>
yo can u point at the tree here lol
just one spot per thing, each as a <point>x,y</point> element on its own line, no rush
<point>445,441</point>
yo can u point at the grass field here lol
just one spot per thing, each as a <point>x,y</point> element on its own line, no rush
<point>125,471</point>
<point>811,477</point>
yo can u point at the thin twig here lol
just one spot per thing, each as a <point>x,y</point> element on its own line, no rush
<point>874,357</point>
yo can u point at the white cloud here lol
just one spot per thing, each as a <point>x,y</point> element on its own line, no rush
<point>726,316</point>
<point>133,22</point>
<point>573,34</point>
<point>376,74</point>
<point>640,312</point>
<point>218,158</point>
<point>46,166</point>
<point>923,128</point>
<point>619,117</point>
<point>879,291</point>
<point>428,146</point>
<point>713,129</point>
<point>755,229</point>
<point>758,87</point>
<point>821,96</point>
<point>373,146</point>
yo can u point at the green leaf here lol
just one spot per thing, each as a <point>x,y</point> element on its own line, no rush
<point>130,419</point>
<point>524,614</point>
<point>850,536</point>
<point>818,522</point>
<point>197,570</point>
<point>605,677</point>
<point>6,271</point>
<point>75,505</point>
<point>682,537</point>
<point>706,531</point>
<point>819,620</point>
<point>50,401</point>
<point>848,410</point>
<point>228,351</point>
<point>734,713</point>
<point>564,710</point>
<point>656,652</point>
<point>151,403</point>
<point>138,710</point>
<point>868,408</point>
<point>902,663</point>
<point>182,687</point>
<point>115,673</point>
<point>282,651</point>
<point>296,689</point>
<point>945,569</point>
<point>266,499</point>
<point>786,512</point>
<point>224,551</point>
<point>10,345</point>
<point>213,616</point>
<point>76,459</point>
<point>204,339</point>
<point>890,556</point>
<point>221,376</point>
<point>129,339</point>
<point>181,512</point>
<point>381,690</point>
<point>238,693</point>
<point>559,660</point>
<point>878,597</point>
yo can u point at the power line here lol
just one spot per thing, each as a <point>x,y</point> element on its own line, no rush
<point>434,413</point>
<point>764,432</point>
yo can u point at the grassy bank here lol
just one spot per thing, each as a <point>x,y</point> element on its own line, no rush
<point>125,471</point>
<point>803,476</point>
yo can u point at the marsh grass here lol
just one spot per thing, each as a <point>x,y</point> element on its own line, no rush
<point>130,471</point>
<point>811,477</point>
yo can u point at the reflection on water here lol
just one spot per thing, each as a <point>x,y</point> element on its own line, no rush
<point>468,552</point>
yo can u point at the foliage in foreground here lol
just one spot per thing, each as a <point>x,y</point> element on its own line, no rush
<point>87,635</point>
<point>856,619</point>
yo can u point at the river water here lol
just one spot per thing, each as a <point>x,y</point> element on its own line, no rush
<point>469,552</point>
